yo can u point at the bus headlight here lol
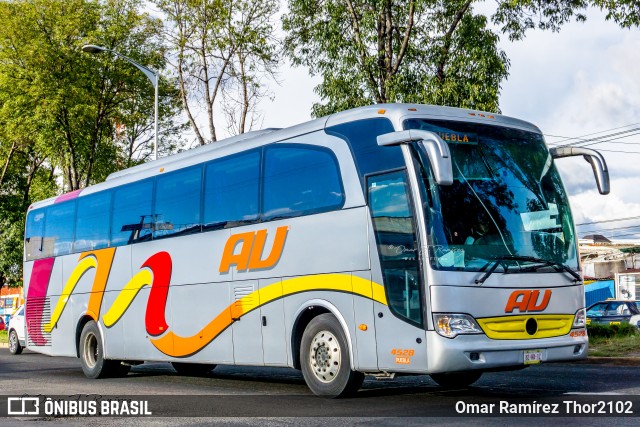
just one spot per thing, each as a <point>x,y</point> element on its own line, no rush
<point>580,320</point>
<point>450,325</point>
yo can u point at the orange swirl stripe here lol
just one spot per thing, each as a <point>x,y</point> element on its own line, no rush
<point>99,260</point>
<point>174,345</point>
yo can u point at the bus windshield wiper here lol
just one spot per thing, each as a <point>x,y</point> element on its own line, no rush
<point>545,263</point>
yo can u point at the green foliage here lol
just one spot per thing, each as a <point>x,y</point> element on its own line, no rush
<point>224,50</point>
<point>69,118</point>
<point>626,13</point>
<point>518,16</point>
<point>422,51</point>
<point>610,331</point>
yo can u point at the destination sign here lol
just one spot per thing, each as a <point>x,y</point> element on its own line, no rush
<point>459,137</point>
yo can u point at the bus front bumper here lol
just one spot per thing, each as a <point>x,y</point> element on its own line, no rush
<point>471,352</point>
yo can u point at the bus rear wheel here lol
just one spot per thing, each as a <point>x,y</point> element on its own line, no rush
<point>192,369</point>
<point>94,365</point>
<point>457,379</point>
<point>324,356</point>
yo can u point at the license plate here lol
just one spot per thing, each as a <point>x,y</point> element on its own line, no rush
<point>614,323</point>
<point>532,356</point>
<point>588,321</point>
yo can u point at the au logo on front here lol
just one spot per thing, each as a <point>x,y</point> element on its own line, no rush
<point>23,406</point>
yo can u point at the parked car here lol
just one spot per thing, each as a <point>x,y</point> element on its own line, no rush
<point>614,313</point>
<point>2,326</point>
<point>16,332</point>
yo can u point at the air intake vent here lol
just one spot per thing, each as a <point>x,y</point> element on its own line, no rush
<point>240,292</point>
<point>245,300</point>
<point>38,314</point>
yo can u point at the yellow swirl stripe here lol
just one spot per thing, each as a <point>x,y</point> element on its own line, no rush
<point>126,297</point>
<point>83,266</point>
<point>177,346</point>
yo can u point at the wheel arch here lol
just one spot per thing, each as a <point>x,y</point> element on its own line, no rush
<point>80,326</point>
<point>307,311</point>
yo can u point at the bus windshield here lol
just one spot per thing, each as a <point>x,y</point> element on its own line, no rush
<point>507,203</point>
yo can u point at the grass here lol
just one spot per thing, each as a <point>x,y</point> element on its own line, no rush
<point>614,342</point>
<point>4,337</point>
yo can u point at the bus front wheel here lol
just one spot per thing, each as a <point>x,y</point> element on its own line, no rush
<point>457,379</point>
<point>324,356</point>
<point>94,365</point>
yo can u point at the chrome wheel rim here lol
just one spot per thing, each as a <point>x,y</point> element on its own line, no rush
<point>325,356</point>
<point>90,352</point>
<point>13,342</point>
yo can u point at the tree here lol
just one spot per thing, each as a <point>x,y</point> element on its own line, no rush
<point>516,17</point>
<point>65,102</point>
<point>221,45</point>
<point>423,51</point>
<point>60,108</point>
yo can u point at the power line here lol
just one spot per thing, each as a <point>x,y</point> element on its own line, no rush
<point>601,230</point>
<point>608,220</point>
<point>624,235</point>
<point>583,142</point>
<point>619,151</point>
<point>568,138</point>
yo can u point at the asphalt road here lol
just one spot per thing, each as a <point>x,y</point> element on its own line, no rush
<point>276,396</point>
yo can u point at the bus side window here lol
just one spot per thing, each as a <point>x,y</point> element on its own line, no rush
<point>177,208</point>
<point>34,233</point>
<point>232,191</point>
<point>132,220</point>
<point>397,244</point>
<point>58,230</point>
<point>300,180</point>
<point>92,222</point>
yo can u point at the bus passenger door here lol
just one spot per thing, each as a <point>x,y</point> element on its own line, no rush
<point>395,261</point>
<point>247,326</point>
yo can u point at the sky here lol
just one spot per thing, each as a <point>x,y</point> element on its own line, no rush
<point>582,80</point>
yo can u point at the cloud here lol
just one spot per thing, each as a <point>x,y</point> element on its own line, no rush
<point>583,80</point>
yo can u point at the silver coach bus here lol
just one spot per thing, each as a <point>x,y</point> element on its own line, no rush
<point>386,239</point>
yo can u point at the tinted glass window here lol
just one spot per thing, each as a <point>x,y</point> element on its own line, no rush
<point>33,234</point>
<point>397,244</point>
<point>232,190</point>
<point>177,208</point>
<point>58,230</point>
<point>597,310</point>
<point>92,222</point>
<point>300,180</point>
<point>132,219</point>
<point>362,138</point>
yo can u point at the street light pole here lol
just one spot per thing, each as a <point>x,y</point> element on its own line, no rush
<point>151,75</point>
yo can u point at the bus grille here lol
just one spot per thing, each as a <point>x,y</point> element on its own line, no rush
<point>521,327</point>
<point>38,313</point>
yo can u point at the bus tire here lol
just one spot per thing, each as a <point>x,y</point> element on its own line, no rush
<point>94,365</point>
<point>192,369</point>
<point>14,343</point>
<point>325,361</point>
<point>457,379</point>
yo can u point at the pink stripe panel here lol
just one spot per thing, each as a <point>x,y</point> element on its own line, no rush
<point>38,285</point>
<point>67,196</point>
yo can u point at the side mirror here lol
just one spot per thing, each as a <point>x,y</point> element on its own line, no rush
<point>436,149</point>
<point>599,166</point>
